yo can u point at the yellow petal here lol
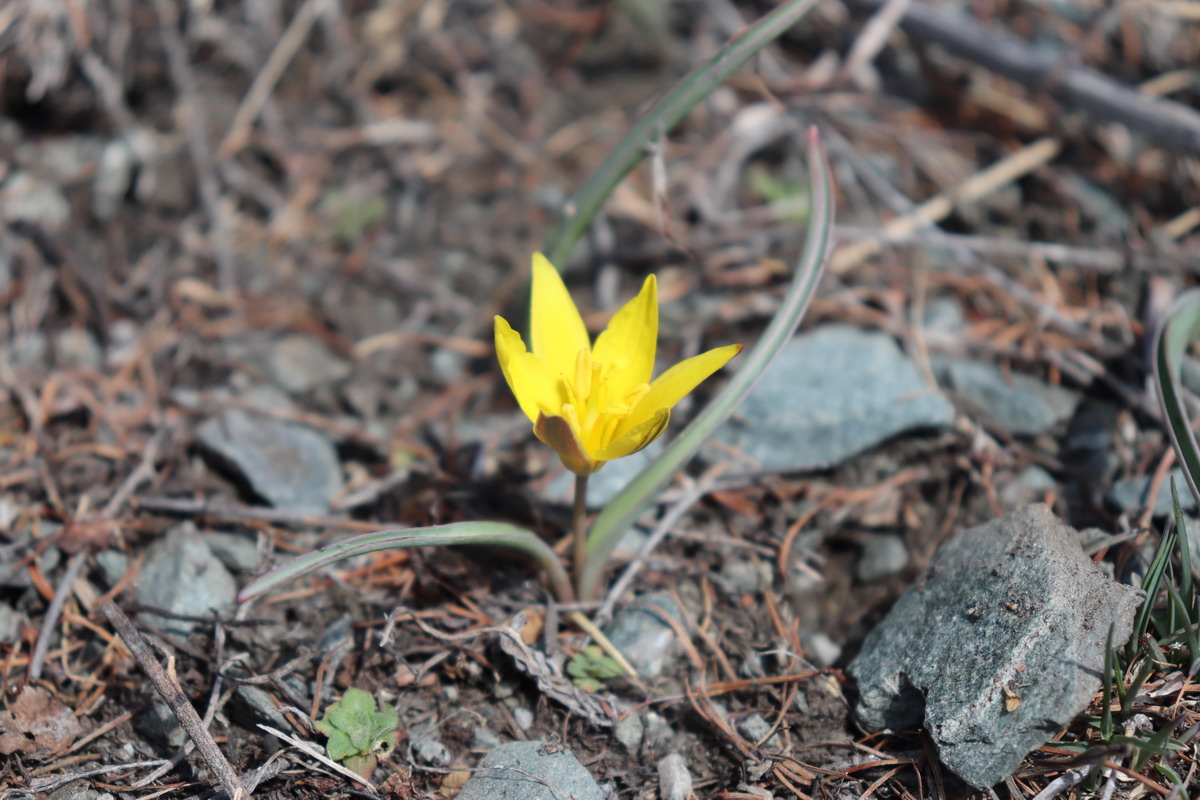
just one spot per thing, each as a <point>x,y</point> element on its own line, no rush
<point>531,382</point>
<point>670,387</point>
<point>563,438</point>
<point>556,330</point>
<point>627,345</point>
<point>637,438</point>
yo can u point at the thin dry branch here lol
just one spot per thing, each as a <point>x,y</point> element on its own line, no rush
<point>172,693</point>
<point>1170,124</point>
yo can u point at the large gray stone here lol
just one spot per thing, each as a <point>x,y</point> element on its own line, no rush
<point>1020,404</point>
<point>998,645</point>
<point>530,771</point>
<point>181,575</point>
<point>831,394</point>
<point>290,466</point>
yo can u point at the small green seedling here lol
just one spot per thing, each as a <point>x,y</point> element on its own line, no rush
<point>358,733</point>
<point>592,665</point>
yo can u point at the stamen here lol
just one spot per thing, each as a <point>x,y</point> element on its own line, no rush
<point>584,370</point>
<point>635,397</point>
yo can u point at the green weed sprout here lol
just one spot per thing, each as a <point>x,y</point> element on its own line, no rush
<point>359,733</point>
<point>595,544</point>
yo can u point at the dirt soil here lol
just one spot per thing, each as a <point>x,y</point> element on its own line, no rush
<point>310,211</point>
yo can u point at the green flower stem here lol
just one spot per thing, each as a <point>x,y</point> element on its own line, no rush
<point>659,121</point>
<point>458,533</point>
<point>623,510</point>
<point>579,531</point>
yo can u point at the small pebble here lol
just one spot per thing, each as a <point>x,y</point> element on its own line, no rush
<point>431,751</point>
<point>674,780</point>
<point>754,728</point>
<point>483,738</point>
<point>823,651</point>
<point>629,732</point>
<point>523,717</point>
<point>883,555</point>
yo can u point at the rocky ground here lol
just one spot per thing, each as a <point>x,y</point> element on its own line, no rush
<point>249,260</point>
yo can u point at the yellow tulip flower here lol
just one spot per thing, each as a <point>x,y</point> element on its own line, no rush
<point>593,403</point>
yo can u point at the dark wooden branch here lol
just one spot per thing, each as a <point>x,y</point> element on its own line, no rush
<point>170,691</point>
<point>1167,123</point>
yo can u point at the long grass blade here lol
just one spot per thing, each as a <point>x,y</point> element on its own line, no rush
<point>659,121</point>
<point>1151,583</point>
<point>1171,343</point>
<point>1111,678</point>
<point>458,533</point>
<point>623,510</point>
<point>1185,553</point>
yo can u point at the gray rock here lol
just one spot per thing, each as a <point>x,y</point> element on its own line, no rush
<point>823,650</point>
<point>659,732</point>
<point>1029,486</point>
<point>182,575</point>
<point>831,394</point>
<point>674,780</point>
<point>447,365</point>
<point>10,623</point>
<point>631,543</point>
<point>530,771</point>
<point>159,725</point>
<point>290,466</point>
<point>238,552</point>
<point>943,318</point>
<point>1020,404</point>
<point>523,717</point>
<point>253,705</point>
<point>1131,494</point>
<point>745,576</point>
<point>431,751</point>
<point>754,728</point>
<point>26,350</point>
<point>78,790</point>
<point>299,364</point>
<point>998,645</point>
<point>629,731</point>
<point>114,175</point>
<point>883,555</point>
<point>34,201</point>
<point>16,577</point>
<point>77,347</point>
<point>483,738</point>
<point>641,634</point>
<point>112,564</point>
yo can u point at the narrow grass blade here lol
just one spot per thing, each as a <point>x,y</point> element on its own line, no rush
<point>1150,584</point>
<point>1170,346</point>
<point>1156,745</point>
<point>1185,553</point>
<point>458,533</point>
<point>1111,678</point>
<point>623,510</point>
<point>1135,686</point>
<point>659,121</point>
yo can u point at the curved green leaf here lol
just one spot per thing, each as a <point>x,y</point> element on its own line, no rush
<point>458,533</point>
<point>1178,331</point>
<point>659,121</point>
<point>623,510</point>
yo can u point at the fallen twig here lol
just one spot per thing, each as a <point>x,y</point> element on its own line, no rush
<point>171,692</point>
